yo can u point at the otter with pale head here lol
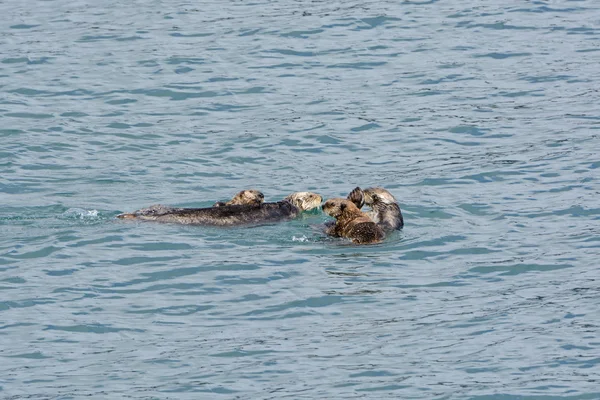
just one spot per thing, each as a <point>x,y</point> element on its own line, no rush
<point>385,210</point>
<point>231,215</point>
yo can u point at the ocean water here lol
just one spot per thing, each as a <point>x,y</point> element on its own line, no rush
<point>481,117</point>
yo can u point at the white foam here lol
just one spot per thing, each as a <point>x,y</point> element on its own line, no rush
<point>81,213</point>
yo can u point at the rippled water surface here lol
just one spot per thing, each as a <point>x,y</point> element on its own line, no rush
<point>481,117</point>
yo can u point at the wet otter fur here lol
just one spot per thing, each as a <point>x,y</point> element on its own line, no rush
<point>249,197</point>
<point>385,210</point>
<point>231,215</point>
<point>155,210</point>
<point>352,223</point>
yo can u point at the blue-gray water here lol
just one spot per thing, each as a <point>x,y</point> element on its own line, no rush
<point>481,117</point>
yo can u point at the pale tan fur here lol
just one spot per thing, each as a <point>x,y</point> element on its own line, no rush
<point>249,196</point>
<point>378,194</point>
<point>385,208</point>
<point>245,197</point>
<point>305,201</point>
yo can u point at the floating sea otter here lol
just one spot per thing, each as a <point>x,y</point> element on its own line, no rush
<point>231,215</point>
<point>248,197</point>
<point>385,210</point>
<point>351,223</point>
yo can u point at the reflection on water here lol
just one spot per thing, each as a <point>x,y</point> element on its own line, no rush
<point>478,118</point>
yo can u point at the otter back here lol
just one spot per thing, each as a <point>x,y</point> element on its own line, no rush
<point>388,216</point>
<point>231,215</point>
<point>365,232</point>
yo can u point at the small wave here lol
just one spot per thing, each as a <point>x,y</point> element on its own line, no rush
<point>300,239</point>
<point>81,213</point>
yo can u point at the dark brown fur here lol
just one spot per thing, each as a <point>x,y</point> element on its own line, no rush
<point>356,196</point>
<point>385,210</point>
<point>352,223</point>
<point>155,210</point>
<point>231,215</point>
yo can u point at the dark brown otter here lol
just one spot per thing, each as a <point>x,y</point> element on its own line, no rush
<point>248,197</point>
<point>352,223</point>
<point>385,210</point>
<point>231,215</point>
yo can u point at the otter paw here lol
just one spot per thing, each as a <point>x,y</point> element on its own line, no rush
<point>357,197</point>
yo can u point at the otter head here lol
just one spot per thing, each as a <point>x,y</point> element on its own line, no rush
<point>249,196</point>
<point>378,195</point>
<point>305,200</point>
<point>336,207</point>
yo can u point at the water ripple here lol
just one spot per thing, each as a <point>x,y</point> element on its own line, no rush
<point>479,118</point>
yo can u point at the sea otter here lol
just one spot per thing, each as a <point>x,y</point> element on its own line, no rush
<point>245,197</point>
<point>249,197</point>
<point>385,210</point>
<point>231,215</point>
<point>352,223</point>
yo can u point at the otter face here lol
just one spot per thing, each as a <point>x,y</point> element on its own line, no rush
<point>336,207</point>
<point>378,195</point>
<point>305,200</point>
<point>249,196</point>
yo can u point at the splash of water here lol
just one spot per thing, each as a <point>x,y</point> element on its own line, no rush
<point>81,213</point>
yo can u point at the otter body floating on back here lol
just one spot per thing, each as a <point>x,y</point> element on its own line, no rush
<point>231,215</point>
<point>385,210</point>
<point>219,216</point>
<point>352,223</point>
